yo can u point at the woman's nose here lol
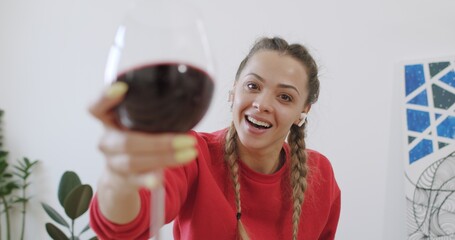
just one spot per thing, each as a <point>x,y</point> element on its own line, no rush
<point>263,103</point>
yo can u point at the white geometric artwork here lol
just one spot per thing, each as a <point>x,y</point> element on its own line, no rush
<point>429,116</point>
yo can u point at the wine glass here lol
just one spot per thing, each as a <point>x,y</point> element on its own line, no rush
<point>161,51</point>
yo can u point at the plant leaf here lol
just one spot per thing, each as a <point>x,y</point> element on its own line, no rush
<point>21,200</point>
<point>30,164</point>
<point>94,238</point>
<point>7,175</point>
<point>85,229</point>
<point>7,188</point>
<point>20,169</point>
<point>78,201</point>
<point>17,174</point>
<point>68,182</point>
<point>3,154</point>
<point>55,233</point>
<point>55,215</point>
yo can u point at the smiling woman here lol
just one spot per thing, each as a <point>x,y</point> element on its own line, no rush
<point>253,180</point>
<point>271,89</point>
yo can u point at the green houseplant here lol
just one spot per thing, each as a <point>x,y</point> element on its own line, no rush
<point>75,199</point>
<point>10,183</point>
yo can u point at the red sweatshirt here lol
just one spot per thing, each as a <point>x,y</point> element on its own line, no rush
<point>200,198</point>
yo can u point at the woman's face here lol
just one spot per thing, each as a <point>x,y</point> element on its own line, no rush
<point>269,96</point>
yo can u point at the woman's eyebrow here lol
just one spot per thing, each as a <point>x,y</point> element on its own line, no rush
<point>281,85</point>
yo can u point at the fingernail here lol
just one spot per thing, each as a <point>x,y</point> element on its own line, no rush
<point>183,141</point>
<point>151,182</point>
<point>116,90</point>
<point>185,155</point>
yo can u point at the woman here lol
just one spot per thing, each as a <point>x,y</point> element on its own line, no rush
<point>243,182</point>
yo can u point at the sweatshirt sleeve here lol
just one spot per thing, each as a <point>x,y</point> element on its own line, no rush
<point>330,228</point>
<point>328,233</point>
<point>327,192</point>
<point>178,181</point>
<point>136,229</point>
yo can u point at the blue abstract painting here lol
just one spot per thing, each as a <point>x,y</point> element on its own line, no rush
<point>429,113</point>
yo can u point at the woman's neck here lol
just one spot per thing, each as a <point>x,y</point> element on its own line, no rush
<point>266,161</point>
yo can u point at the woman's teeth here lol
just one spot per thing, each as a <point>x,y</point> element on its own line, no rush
<point>258,123</point>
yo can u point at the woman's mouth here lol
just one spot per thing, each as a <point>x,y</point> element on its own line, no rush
<point>257,123</point>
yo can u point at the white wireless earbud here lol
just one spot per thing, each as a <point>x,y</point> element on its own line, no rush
<point>302,119</point>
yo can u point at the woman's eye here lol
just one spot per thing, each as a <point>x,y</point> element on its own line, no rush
<point>286,97</point>
<point>252,86</point>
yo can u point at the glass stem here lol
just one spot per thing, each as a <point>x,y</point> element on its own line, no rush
<point>157,206</point>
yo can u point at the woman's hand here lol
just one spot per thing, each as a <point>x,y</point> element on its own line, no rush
<point>129,156</point>
<point>130,153</point>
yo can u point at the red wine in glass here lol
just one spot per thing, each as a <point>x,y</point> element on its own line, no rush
<point>164,97</point>
<point>161,51</point>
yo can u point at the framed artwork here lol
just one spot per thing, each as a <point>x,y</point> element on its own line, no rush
<point>429,117</point>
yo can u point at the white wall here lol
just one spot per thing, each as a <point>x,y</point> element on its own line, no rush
<point>53,52</point>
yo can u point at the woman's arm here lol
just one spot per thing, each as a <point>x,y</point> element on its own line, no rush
<point>330,228</point>
<point>129,156</point>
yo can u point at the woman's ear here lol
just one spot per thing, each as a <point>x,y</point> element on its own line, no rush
<point>231,96</point>
<point>301,119</point>
<point>231,92</point>
<point>303,116</point>
<point>307,108</point>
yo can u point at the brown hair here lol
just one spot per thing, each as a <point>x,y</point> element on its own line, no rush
<point>296,137</point>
